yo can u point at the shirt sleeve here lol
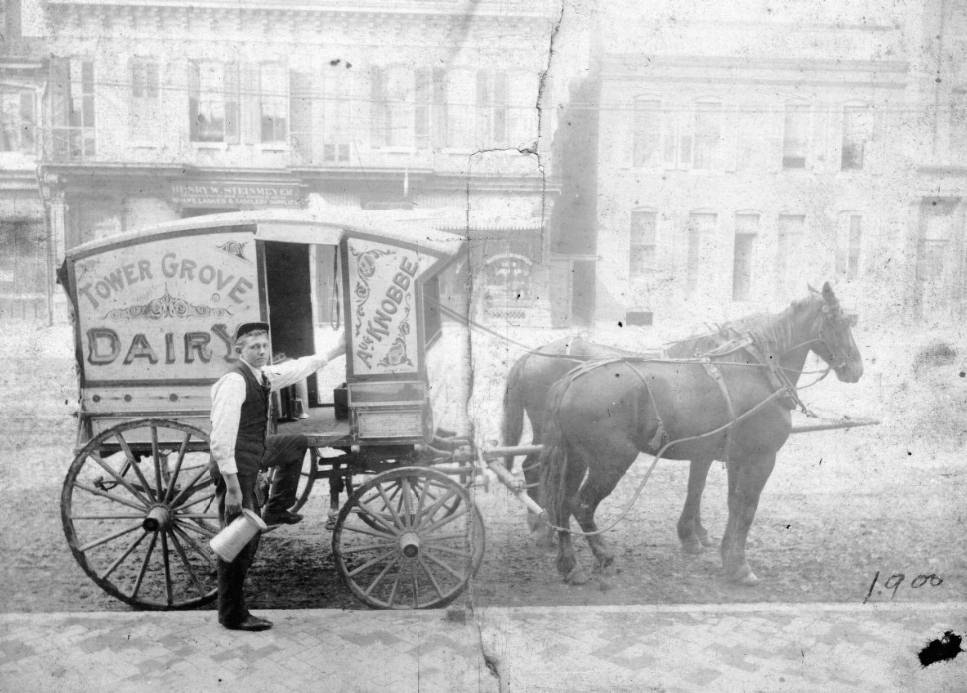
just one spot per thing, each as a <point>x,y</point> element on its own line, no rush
<point>228,395</point>
<point>284,374</point>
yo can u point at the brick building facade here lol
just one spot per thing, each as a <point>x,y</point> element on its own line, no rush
<point>158,110</point>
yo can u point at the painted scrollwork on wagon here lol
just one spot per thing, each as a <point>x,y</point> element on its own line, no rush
<point>165,307</point>
<point>397,353</point>
<point>365,268</point>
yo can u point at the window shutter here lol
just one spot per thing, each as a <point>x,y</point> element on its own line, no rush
<point>377,97</point>
<point>300,114</point>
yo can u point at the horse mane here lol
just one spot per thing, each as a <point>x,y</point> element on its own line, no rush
<point>774,330</point>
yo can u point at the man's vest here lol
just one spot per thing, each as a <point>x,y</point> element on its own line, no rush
<point>250,441</point>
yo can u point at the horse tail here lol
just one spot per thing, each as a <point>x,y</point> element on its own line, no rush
<point>554,455</point>
<point>513,422</point>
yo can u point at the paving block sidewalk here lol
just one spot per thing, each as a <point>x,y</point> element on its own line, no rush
<point>764,647</point>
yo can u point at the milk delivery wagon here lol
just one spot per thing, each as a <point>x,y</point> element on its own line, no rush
<point>154,316</point>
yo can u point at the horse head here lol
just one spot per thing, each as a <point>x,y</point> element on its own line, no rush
<point>834,341</point>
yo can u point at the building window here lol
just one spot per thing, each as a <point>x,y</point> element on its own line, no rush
<point>677,138</point>
<point>850,246</point>
<point>338,114</point>
<point>422,108</point>
<point>392,91</point>
<point>273,103</point>
<point>856,133</point>
<point>708,135</point>
<point>701,230</point>
<point>523,87</point>
<point>145,124</point>
<point>647,133</point>
<point>213,101</point>
<point>491,108</point>
<point>18,121</point>
<point>439,111</point>
<point>958,126</point>
<point>461,93</point>
<point>789,254</point>
<point>795,136</point>
<point>743,256</point>
<point>72,108</point>
<point>301,97</point>
<point>641,259</point>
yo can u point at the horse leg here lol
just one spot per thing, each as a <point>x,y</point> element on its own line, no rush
<point>690,530</point>
<point>601,480</point>
<point>540,531</point>
<point>567,564</point>
<point>746,481</point>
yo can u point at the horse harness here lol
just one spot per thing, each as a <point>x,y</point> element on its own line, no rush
<point>784,392</point>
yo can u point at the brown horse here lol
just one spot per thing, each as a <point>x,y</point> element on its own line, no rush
<point>531,377</point>
<point>732,405</point>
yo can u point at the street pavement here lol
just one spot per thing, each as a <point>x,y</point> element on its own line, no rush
<point>758,647</point>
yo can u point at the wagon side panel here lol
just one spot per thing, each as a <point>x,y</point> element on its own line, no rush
<point>154,320</point>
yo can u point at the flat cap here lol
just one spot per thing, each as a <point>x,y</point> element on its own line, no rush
<point>247,327</point>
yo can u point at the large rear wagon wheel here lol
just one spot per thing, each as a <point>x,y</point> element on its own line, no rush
<point>410,538</point>
<point>138,508</point>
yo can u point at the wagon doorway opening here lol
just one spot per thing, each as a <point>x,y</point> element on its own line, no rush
<point>302,292</point>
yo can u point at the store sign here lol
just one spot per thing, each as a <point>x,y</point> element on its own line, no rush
<point>236,194</point>
<point>382,286</point>
<point>165,309</point>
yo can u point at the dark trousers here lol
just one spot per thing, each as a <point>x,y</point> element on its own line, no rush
<point>285,452</point>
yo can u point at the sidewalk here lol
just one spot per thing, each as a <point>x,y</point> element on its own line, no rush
<point>765,647</point>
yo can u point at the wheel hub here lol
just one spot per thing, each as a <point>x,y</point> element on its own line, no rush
<point>410,544</point>
<point>158,518</point>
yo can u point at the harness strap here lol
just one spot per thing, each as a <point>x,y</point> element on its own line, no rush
<point>660,437</point>
<point>777,379</point>
<point>716,375</point>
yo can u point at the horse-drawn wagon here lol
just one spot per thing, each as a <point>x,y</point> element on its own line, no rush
<point>153,315</point>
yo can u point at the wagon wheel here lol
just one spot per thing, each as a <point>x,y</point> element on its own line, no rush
<point>138,507</point>
<point>417,549</point>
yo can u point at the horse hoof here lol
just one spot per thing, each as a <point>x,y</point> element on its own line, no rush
<point>577,576</point>
<point>746,579</point>
<point>693,547</point>
<point>706,540</point>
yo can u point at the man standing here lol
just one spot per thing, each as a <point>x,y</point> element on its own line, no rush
<point>240,448</point>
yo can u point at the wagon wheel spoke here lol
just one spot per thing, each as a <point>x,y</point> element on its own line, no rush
<point>392,593</point>
<point>192,486</point>
<point>443,565</point>
<point>167,565</point>
<point>209,497</point>
<point>446,520</point>
<point>133,462</point>
<point>104,494</point>
<point>120,479</point>
<point>185,562</point>
<point>156,456</point>
<point>398,521</point>
<point>120,559</point>
<point>447,549</point>
<point>368,547</point>
<point>406,491</point>
<point>194,526</point>
<point>111,537</point>
<point>144,567</point>
<point>381,575</point>
<point>377,518</point>
<point>139,516</point>
<point>416,589</point>
<point>436,585</point>
<point>371,562</point>
<point>431,511</point>
<point>190,541</point>
<point>360,530</point>
<point>173,478</point>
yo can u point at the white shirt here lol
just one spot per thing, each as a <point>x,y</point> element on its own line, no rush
<point>228,394</point>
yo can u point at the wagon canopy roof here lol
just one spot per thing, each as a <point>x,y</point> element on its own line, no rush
<point>420,229</point>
